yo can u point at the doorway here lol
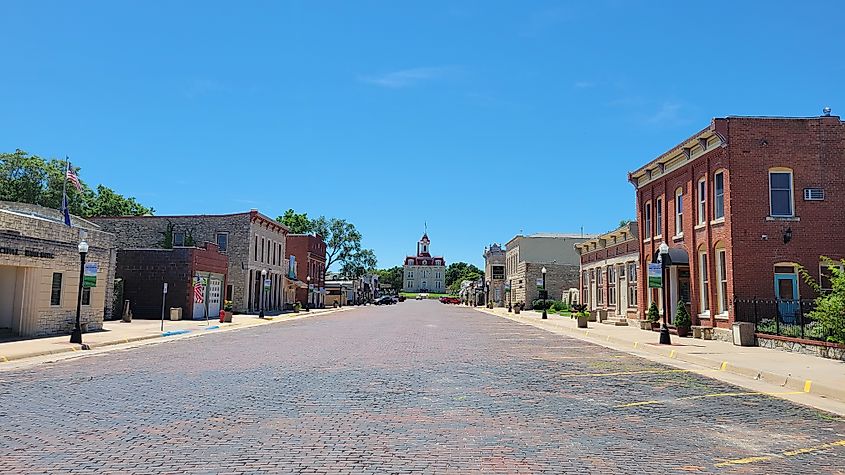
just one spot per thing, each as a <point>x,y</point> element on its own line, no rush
<point>786,290</point>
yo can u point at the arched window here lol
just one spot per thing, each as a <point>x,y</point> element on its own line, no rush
<point>647,220</point>
<point>703,281</point>
<point>701,199</point>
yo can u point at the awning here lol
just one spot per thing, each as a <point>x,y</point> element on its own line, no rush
<point>677,257</point>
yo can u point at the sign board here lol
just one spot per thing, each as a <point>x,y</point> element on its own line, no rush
<point>292,267</point>
<point>655,276</point>
<point>544,294</point>
<point>267,283</point>
<point>165,287</point>
<point>540,283</point>
<point>89,275</point>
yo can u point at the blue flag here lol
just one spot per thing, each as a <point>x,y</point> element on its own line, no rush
<point>65,211</point>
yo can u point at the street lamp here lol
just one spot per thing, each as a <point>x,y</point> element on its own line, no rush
<point>665,339</point>
<point>545,294</point>
<point>308,303</point>
<point>487,296</point>
<point>76,334</point>
<point>510,289</point>
<point>261,294</point>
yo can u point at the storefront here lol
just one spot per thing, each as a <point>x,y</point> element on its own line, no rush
<point>40,268</point>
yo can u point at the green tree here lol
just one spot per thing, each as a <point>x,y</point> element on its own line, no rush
<point>297,222</point>
<point>458,272</point>
<point>829,314</point>
<point>343,243</point>
<point>359,263</point>
<point>392,276</point>
<point>625,222</point>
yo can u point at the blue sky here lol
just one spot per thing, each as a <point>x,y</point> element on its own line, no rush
<point>482,118</point>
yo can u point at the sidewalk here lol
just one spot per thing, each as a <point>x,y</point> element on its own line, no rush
<point>810,374</point>
<point>117,332</point>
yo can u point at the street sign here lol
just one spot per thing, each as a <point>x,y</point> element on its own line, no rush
<point>267,283</point>
<point>89,276</point>
<point>540,283</point>
<point>165,287</point>
<point>655,276</point>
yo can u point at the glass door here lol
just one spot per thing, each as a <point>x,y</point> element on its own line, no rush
<point>786,290</point>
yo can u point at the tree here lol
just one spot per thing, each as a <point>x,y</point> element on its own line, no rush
<point>359,263</point>
<point>625,222</point>
<point>31,179</point>
<point>392,276</point>
<point>297,222</point>
<point>828,318</point>
<point>342,240</point>
<point>458,272</point>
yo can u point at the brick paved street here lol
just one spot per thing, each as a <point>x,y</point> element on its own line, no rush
<point>416,387</point>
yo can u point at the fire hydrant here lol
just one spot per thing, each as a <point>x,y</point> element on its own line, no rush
<point>222,315</point>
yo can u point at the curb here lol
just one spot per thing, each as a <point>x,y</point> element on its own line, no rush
<point>201,331</point>
<point>784,381</point>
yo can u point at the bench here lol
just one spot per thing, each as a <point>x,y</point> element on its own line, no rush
<point>702,332</point>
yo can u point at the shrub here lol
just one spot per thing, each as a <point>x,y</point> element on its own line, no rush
<point>227,305</point>
<point>653,314</point>
<point>559,305</point>
<point>682,318</point>
<point>829,313</point>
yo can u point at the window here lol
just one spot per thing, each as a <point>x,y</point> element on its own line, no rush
<point>410,275</point>
<point>719,195</point>
<point>632,284</point>
<point>702,201</point>
<point>410,283</point>
<point>679,212</point>
<point>704,281</point>
<point>647,219</point>
<point>178,239</point>
<point>826,273</point>
<point>611,285</point>
<point>722,280</point>
<point>599,289</point>
<point>658,217</point>
<point>86,296</point>
<point>262,250</point>
<point>255,250</point>
<point>223,241</point>
<point>56,289</point>
<point>780,193</point>
<point>229,291</point>
<point>437,285</point>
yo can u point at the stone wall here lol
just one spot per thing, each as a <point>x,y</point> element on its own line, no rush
<point>831,352</point>
<point>558,278</point>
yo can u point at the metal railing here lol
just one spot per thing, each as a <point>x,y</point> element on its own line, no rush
<point>790,318</point>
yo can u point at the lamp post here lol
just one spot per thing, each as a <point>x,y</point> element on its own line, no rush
<point>665,339</point>
<point>308,303</point>
<point>76,334</point>
<point>261,294</point>
<point>510,289</point>
<point>545,315</point>
<point>487,295</point>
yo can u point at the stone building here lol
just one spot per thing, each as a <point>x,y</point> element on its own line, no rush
<point>309,253</point>
<point>39,272</point>
<point>424,272</point>
<point>526,256</point>
<point>742,204</point>
<point>195,277</point>
<point>494,274</point>
<point>609,273</point>
<point>252,242</point>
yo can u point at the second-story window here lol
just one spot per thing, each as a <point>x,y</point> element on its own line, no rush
<point>780,193</point>
<point>223,241</point>
<point>719,195</point>
<point>647,219</point>
<point>658,217</point>
<point>702,201</point>
<point>178,239</point>
<point>679,212</point>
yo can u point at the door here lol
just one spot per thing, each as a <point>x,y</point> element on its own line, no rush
<point>620,287</point>
<point>199,285</point>
<point>786,290</point>
<point>214,288</point>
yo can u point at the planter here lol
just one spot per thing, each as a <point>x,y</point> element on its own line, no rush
<point>591,317</point>
<point>655,326</point>
<point>227,316</point>
<point>645,325</point>
<point>683,332</point>
<point>516,310</point>
<point>582,321</point>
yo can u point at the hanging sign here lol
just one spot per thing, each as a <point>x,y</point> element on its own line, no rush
<point>89,275</point>
<point>540,283</point>
<point>267,283</point>
<point>655,276</point>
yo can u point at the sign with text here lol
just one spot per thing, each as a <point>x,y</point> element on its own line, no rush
<point>540,283</point>
<point>267,284</point>
<point>655,276</point>
<point>89,275</point>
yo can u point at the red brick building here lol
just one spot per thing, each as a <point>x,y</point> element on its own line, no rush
<point>309,251</point>
<point>741,204</point>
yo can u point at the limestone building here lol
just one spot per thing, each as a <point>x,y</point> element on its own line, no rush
<point>494,274</point>
<point>424,272</point>
<point>526,256</point>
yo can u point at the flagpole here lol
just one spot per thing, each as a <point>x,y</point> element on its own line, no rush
<point>64,184</point>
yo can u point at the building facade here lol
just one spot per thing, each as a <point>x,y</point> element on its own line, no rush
<point>309,252</point>
<point>195,278</point>
<point>494,274</point>
<point>742,204</point>
<point>39,272</point>
<point>609,273</point>
<point>252,242</point>
<point>525,258</point>
<point>424,272</point>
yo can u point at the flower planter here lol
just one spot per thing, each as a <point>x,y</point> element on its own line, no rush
<point>655,326</point>
<point>516,310</point>
<point>683,332</point>
<point>227,316</point>
<point>645,325</point>
<point>582,321</point>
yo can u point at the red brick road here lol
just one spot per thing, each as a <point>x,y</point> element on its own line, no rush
<point>416,387</point>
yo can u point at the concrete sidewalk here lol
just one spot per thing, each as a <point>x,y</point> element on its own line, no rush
<point>810,374</point>
<point>117,333</point>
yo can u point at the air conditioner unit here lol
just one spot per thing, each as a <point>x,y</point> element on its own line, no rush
<point>813,194</point>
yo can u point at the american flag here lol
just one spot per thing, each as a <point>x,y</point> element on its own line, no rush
<point>73,178</point>
<point>199,292</point>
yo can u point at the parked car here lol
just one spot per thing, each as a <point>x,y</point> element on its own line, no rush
<point>385,300</point>
<point>419,297</point>
<point>401,298</point>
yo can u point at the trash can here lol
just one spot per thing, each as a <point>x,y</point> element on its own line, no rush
<point>175,313</point>
<point>743,333</point>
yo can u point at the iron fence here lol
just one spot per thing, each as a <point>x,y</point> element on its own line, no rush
<point>781,317</point>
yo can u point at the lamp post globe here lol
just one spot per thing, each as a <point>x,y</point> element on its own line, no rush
<point>261,294</point>
<point>76,334</point>
<point>545,314</point>
<point>663,258</point>
<point>308,303</point>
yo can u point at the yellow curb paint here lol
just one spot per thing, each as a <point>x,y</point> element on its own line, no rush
<point>744,461</point>
<point>5,360</point>
<point>608,337</point>
<point>586,332</point>
<point>672,354</point>
<point>627,373</point>
<point>724,366</point>
<point>787,453</point>
<point>705,396</point>
<point>636,344</point>
<point>807,385</point>
<point>73,348</point>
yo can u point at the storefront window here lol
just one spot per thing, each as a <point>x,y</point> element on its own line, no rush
<point>56,290</point>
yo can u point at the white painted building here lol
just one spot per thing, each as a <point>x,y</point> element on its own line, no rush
<point>424,272</point>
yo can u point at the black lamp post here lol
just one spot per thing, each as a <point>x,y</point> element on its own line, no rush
<point>308,303</point>
<point>510,289</point>
<point>545,315</point>
<point>261,294</point>
<point>487,294</point>
<point>663,257</point>
<point>76,334</point>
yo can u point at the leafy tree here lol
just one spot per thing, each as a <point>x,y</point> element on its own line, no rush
<point>343,242</point>
<point>392,276</point>
<point>458,271</point>
<point>358,263</point>
<point>31,179</point>
<point>297,222</point>
<point>625,222</point>
<point>829,313</point>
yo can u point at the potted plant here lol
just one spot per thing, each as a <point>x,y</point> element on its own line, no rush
<point>227,311</point>
<point>653,316</point>
<point>683,322</point>
<point>297,307</point>
<point>517,308</point>
<point>581,314</point>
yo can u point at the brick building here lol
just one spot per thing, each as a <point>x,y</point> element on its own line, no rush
<point>527,255</point>
<point>609,273</point>
<point>252,242</point>
<point>39,272</point>
<point>195,277</point>
<point>494,274</point>
<point>309,253</point>
<point>741,204</point>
